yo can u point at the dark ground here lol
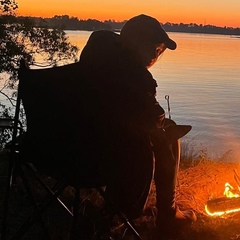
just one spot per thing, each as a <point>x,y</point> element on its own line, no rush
<point>58,221</point>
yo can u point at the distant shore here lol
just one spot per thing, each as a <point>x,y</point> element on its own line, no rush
<point>73,23</point>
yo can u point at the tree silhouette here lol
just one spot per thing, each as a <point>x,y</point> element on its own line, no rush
<point>37,44</point>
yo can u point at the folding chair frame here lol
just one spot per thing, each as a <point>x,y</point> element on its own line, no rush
<point>54,195</point>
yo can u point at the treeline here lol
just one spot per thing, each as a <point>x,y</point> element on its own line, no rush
<point>73,23</point>
<point>195,28</point>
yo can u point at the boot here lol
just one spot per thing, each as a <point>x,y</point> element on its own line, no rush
<point>171,227</point>
<point>170,224</point>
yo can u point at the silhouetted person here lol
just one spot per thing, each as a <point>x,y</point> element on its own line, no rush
<point>128,121</point>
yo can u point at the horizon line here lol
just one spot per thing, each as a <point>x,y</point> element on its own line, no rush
<point>118,21</point>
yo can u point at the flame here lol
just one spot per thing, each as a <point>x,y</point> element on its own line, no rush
<point>228,192</point>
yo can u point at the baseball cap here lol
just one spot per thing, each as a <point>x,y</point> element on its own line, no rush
<point>146,28</point>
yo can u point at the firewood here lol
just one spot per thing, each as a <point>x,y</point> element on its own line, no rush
<point>223,204</point>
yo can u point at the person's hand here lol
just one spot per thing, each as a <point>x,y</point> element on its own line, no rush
<point>175,132</point>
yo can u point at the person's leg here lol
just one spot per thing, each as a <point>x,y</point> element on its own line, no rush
<point>165,177</point>
<point>167,157</point>
<point>131,174</point>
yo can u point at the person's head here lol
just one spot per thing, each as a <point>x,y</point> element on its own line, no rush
<point>144,36</point>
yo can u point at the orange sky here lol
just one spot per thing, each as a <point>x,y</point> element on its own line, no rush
<point>214,12</point>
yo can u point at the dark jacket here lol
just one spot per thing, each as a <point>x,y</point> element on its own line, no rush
<point>124,112</point>
<point>124,90</point>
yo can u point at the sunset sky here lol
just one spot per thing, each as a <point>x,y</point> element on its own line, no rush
<point>215,12</point>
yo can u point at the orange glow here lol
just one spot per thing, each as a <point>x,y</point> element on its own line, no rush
<point>229,193</point>
<point>185,11</point>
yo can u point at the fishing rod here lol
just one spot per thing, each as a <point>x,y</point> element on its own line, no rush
<point>168,104</point>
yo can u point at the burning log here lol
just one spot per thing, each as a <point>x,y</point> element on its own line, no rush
<point>223,205</point>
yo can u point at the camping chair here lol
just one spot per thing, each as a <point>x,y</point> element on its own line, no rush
<point>54,103</point>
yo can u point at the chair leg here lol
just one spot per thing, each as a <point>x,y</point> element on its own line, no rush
<point>54,194</point>
<point>123,217</point>
<point>6,200</point>
<point>52,197</point>
<point>76,203</point>
<point>129,225</point>
<point>37,213</point>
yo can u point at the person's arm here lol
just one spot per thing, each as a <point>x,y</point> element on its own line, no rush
<point>151,113</point>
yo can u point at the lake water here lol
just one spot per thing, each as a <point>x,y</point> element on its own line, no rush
<point>202,79</point>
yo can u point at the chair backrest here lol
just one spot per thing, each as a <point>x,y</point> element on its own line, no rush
<point>59,108</point>
<point>49,96</point>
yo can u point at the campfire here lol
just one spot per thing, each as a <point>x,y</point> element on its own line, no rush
<point>203,188</point>
<point>228,204</point>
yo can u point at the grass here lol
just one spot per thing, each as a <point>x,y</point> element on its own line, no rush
<point>199,180</point>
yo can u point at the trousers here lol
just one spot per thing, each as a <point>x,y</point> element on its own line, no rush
<point>141,159</point>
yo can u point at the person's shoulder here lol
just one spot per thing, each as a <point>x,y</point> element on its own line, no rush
<point>103,40</point>
<point>103,35</point>
<point>100,50</point>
